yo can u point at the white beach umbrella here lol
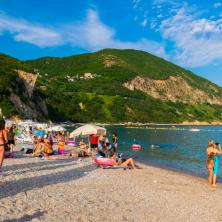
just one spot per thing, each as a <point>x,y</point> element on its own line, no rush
<point>87,130</point>
<point>56,128</point>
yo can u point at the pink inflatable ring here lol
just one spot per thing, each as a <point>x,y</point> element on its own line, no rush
<point>136,147</point>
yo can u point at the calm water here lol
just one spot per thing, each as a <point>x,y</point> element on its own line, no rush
<point>176,148</point>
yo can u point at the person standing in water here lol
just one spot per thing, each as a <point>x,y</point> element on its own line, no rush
<point>213,150</point>
<point>3,142</point>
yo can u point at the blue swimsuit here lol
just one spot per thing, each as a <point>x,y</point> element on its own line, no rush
<point>216,165</point>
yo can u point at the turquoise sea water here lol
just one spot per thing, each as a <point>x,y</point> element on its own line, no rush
<point>175,147</point>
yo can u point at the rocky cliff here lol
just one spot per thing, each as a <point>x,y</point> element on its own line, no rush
<point>174,89</point>
<point>25,97</point>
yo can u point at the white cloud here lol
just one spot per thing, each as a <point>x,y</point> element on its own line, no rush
<point>24,31</point>
<point>90,34</point>
<point>197,41</point>
<point>217,5</point>
<point>136,3</point>
<point>144,22</point>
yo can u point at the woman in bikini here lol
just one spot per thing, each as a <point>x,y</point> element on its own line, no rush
<point>3,141</point>
<point>123,162</point>
<point>212,161</point>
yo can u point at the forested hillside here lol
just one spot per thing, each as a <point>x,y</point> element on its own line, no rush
<point>124,85</point>
<point>107,86</point>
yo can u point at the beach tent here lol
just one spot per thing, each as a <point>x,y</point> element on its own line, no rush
<point>87,130</point>
<point>56,128</point>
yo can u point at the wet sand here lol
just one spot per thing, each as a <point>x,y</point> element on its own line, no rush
<point>74,190</point>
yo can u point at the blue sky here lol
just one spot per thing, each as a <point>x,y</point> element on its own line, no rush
<point>188,33</point>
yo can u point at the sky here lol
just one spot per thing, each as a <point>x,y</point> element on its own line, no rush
<point>187,33</point>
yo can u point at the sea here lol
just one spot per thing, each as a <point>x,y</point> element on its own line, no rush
<point>173,147</point>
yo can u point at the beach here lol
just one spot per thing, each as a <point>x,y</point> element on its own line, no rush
<point>76,190</point>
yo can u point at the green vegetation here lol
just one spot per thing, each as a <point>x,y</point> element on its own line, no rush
<point>8,80</point>
<point>72,94</point>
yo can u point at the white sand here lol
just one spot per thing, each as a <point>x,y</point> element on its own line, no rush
<point>72,190</point>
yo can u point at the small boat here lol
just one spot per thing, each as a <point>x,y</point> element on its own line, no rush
<point>194,130</point>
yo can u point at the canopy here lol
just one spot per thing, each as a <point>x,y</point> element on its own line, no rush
<point>56,128</point>
<point>88,129</point>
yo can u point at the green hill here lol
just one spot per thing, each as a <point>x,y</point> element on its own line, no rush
<point>124,85</point>
<point>107,86</point>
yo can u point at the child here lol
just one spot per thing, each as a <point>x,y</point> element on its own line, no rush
<point>61,144</point>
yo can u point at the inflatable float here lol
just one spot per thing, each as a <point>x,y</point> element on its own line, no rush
<point>104,161</point>
<point>136,147</point>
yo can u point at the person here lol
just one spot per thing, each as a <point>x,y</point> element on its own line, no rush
<point>82,145</point>
<point>49,136</point>
<point>39,148</point>
<point>213,150</point>
<point>11,138</point>
<point>115,140</point>
<point>61,144</point>
<point>48,150</point>
<point>94,141</point>
<point>120,161</point>
<point>101,145</point>
<point>67,137</point>
<point>3,142</point>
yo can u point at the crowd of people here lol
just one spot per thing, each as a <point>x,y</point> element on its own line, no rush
<point>98,146</point>
<point>44,145</point>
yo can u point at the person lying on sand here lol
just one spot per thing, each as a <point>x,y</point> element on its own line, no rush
<point>120,161</point>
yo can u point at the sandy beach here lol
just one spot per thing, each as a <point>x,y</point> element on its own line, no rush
<point>74,190</point>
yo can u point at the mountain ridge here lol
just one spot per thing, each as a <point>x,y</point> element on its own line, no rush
<point>91,87</point>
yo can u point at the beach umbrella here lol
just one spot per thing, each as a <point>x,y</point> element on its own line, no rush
<point>39,133</point>
<point>56,129</point>
<point>87,130</point>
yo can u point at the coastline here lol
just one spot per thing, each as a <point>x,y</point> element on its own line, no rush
<point>74,190</point>
<point>133,124</point>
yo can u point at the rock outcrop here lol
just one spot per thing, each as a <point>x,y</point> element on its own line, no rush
<point>174,89</point>
<point>29,80</point>
<point>26,99</point>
